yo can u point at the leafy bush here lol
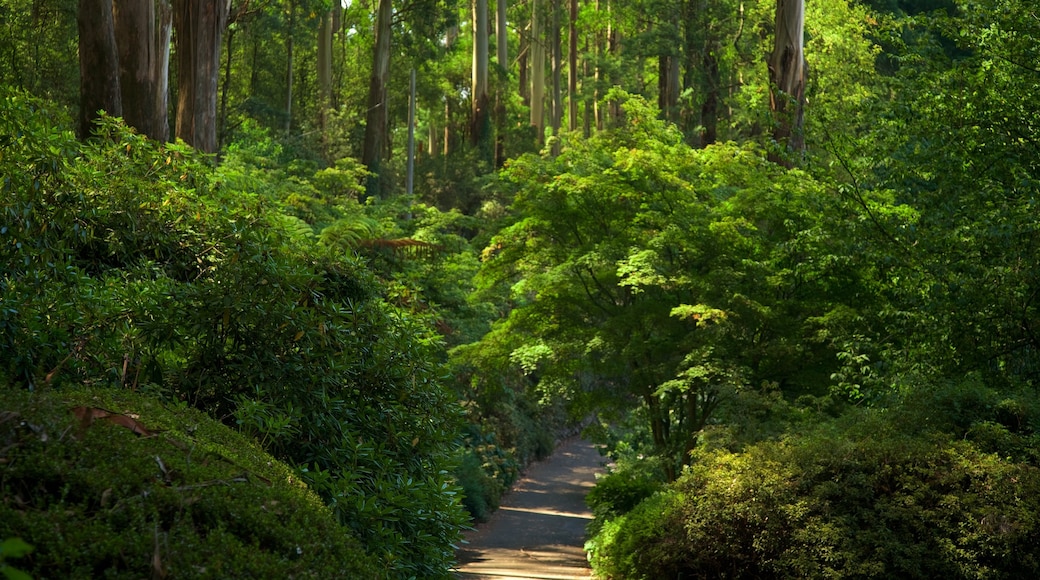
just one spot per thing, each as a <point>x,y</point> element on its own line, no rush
<point>181,497</point>
<point>850,499</point>
<point>132,264</point>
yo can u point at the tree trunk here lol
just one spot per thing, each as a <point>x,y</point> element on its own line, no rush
<point>143,64</point>
<point>787,74</point>
<point>199,25</point>
<point>557,71</point>
<point>537,73</point>
<point>522,67</point>
<point>376,118</point>
<point>502,56</point>
<point>225,89</point>
<point>710,106</point>
<point>480,120</point>
<point>289,46</point>
<point>572,67</point>
<point>98,64</point>
<point>325,26</point>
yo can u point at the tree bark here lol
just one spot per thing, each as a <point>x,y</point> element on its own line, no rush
<point>537,73</point>
<point>142,36</point>
<point>502,56</point>
<point>199,26</point>
<point>480,120</point>
<point>376,117</point>
<point>557,71</point>
<point>98,64</point>
<point>572,67</point>
<point>787,74</point>
<point>290,45</point>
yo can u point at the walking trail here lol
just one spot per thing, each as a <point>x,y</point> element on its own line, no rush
<point>538,533</point>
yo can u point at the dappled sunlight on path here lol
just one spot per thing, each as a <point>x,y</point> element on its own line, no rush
<point>539,532</point>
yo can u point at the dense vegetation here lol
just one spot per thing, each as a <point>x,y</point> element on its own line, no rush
<point>810,348</point>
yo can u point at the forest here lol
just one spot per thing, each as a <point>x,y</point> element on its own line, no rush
<point>297,288</point>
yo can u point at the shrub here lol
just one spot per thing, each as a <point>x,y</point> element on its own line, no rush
<point>183,497</point>
<point>852,498</point>
<point>133,264</point>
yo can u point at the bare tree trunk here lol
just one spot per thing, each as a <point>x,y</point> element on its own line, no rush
<point>614,50</point>
<point>98,64</point>
<point>376,118</point>
<point>289,46</point>
<point>598,75</point>
<point>522,60</point>
<point>502,36</point>
<point>450,36</point>
<point>199,25</point>
<point>324,67</point>
<point>141,60</point>
<point>710,106</point>
<point>572,67</point>
<point>502,56</point>
<point>787,74</point>
<point>480,126</point>
<point>537,73</point>
<point>557,71</point>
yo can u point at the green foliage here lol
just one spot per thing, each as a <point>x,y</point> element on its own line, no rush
<point>186,497</point>
<point>13,548</point>
<point>192,285</point>
<point>639,268</point>
<point>628,482</point>
<point>851,499</point>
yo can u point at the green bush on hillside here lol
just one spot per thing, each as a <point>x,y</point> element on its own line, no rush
<point>185,497</point>
<point>131,264</point>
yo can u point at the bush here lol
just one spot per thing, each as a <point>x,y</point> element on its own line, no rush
<point>852,498</point>
<point>132,264</point>
<point>183,497</point>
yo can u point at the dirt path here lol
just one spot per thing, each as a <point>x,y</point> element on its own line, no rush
<point>539,531</point>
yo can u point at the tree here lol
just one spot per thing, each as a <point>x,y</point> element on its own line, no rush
<point>480,127</point>
<point>376,117</point>
<point>788,71</point>
<point>537,46</point>
<point>198,26</point>
<point>142,30</point>
<point>98,63</point>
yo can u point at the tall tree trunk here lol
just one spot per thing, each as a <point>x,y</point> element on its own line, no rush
<point>502,56</point>
<point>598,74</point>
<point>572,67</point>
<point>325,58</point>
<point>410,175</point>
<point>289,46</point>
<point>502,36</point>
<point>324,73</point>
<point>480,120</point>
<point>225,89</point>
<point>787,74</point>
<point>522,66</point>
<point>710,106</point>
<point>199,26</point>
<point>557,72</point>
<point>614,51</point>
<point>143,64</point>
<point>376,118</point>
<point>98,64</point>
<point>537,73</point>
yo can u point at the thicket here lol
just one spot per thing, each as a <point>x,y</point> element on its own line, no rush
<point>133,265</point>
